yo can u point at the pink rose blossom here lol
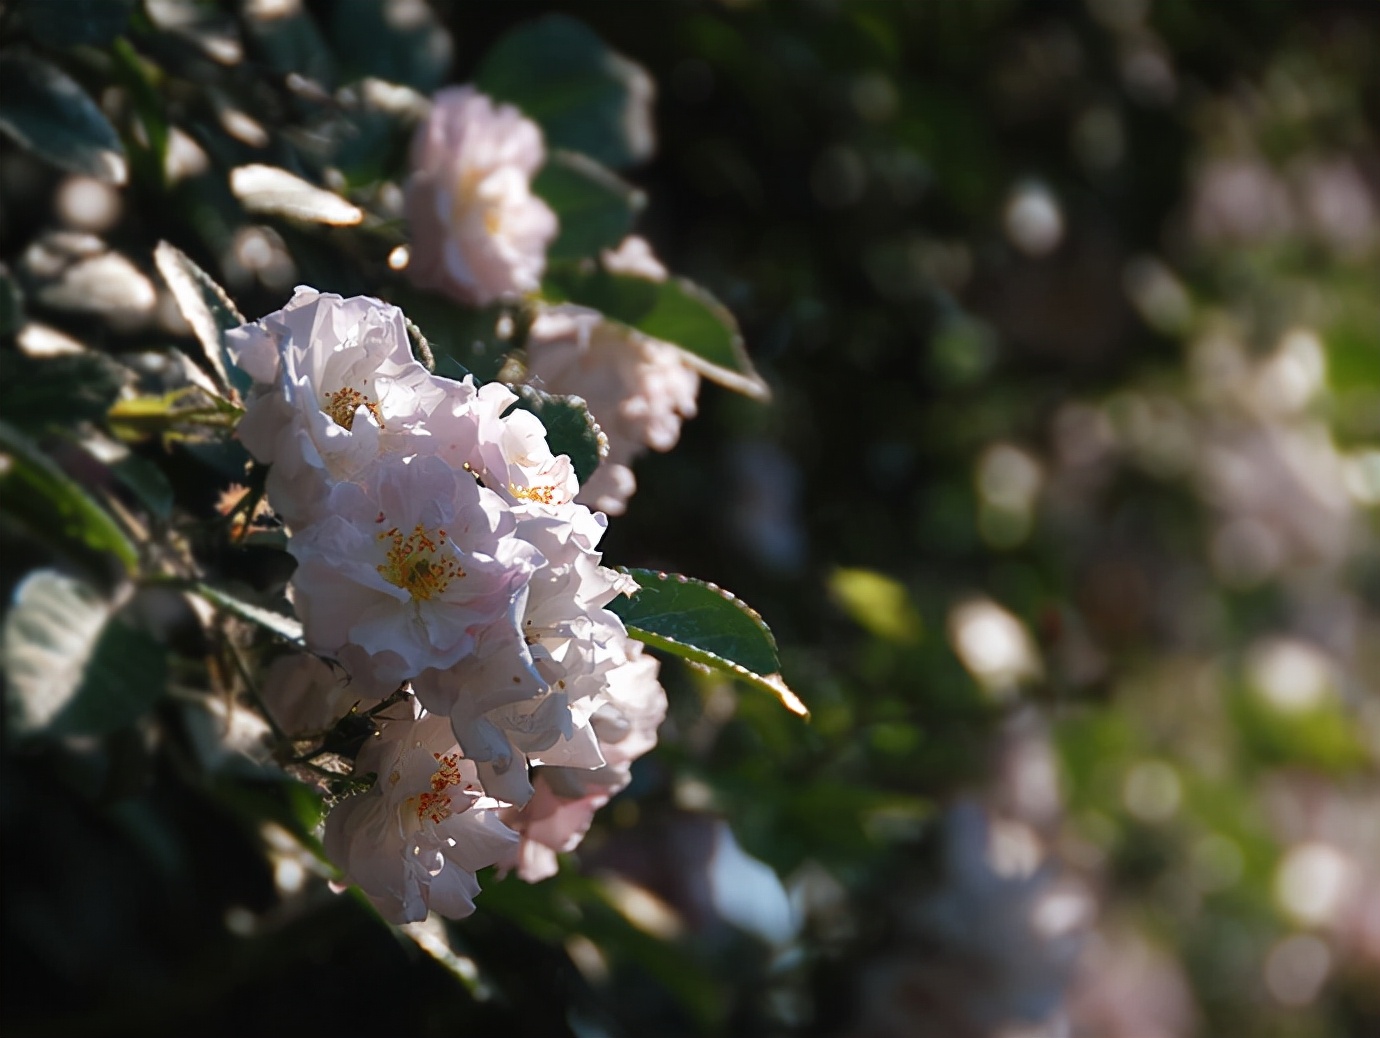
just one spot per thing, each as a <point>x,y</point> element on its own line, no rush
<point>412,565</point>
<point>335,386</point>
<point>638,389</point>
<point>415,841</point>
<point>478,232</point>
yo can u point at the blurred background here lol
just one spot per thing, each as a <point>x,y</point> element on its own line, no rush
<point>1064,514</point>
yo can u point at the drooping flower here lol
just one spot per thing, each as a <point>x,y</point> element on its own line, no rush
<point>306,694</point>
<point>413,565</point>
<point>478,232</point>
<point>415,841</point>
<point>639,390</point>
<point>628,709</point>
<point>335,386</point>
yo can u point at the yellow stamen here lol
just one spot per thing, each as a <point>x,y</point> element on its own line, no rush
<point>344,402</point>
<point>418,562</point>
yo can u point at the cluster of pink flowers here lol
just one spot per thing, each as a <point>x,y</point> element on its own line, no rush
<point>439,546</point>
<point>480,236</point>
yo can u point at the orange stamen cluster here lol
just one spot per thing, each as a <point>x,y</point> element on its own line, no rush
<point>541,495</point>
<point>344,402</point>
<point>447,772</point>
<point>417,562</point>
<point>432,807</point>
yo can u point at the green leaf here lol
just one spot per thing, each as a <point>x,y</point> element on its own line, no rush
<point>75,23</point>
<point>877,602</point>
<point>398,40</point>
<point>71,666</point>
<point>271,191</point>
<point>11,305</point>
<point>467,337</point>
<point>370,132</point>
<point>207,308</point>
<point>675,311</point>
<point>595,207</point>
<point>142,79</point>
<point>585,96</point>
<point>37,393</point>
<point>50,632</point>
<point>703,623</point>
<point>570,428</point>
<point>432,936</point>
<point>147,482</point>
<point>284,626</point>
<point>289,42</point>
<point>46,111</point>
<point>52,508</point>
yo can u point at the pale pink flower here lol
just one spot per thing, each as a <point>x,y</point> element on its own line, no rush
<point>415,841</point>
<point>413,565</point>
<point>306,694</point>
<point>639,390</point>
<point>629,708</point>
<point>480,431</point>
<point>512,703</point>
<point>478,232</point>
<point>335,386</point>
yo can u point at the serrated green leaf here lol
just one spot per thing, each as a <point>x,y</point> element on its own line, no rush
<point>46,111</point>
<point>675,311</point>
<point>71,666</point>
<point>397,40</point>
<point>570,428</point>
<point>595,207</point>
<point>52,508</point>
<point>584,95</point>
<point>75,23</point>
<point>38,393</point>
<point>207,308</point>
<point>281,624</point>
<point>703,623</point>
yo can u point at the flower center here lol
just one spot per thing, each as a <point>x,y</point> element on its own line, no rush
<point>344,402</point>
<point>418,562</point>
<point>447,772</point>
<point>430,807</point>
<point>541,495</point>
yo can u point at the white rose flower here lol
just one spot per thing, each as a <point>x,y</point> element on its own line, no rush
<point>478,232</point>
<point>638,389</point>
<point>334,386</point>
<point>629,708</point>
<point>480,431</point>
<point>415,841</point>
<point>306,694</point>
<point>413,565</point>
<point>530,701</point>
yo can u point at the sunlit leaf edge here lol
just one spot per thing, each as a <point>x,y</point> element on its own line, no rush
<point>773,682</point>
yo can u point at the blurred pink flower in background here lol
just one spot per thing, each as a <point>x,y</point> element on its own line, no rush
<point>478,232</point>
<point>638,389</point>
